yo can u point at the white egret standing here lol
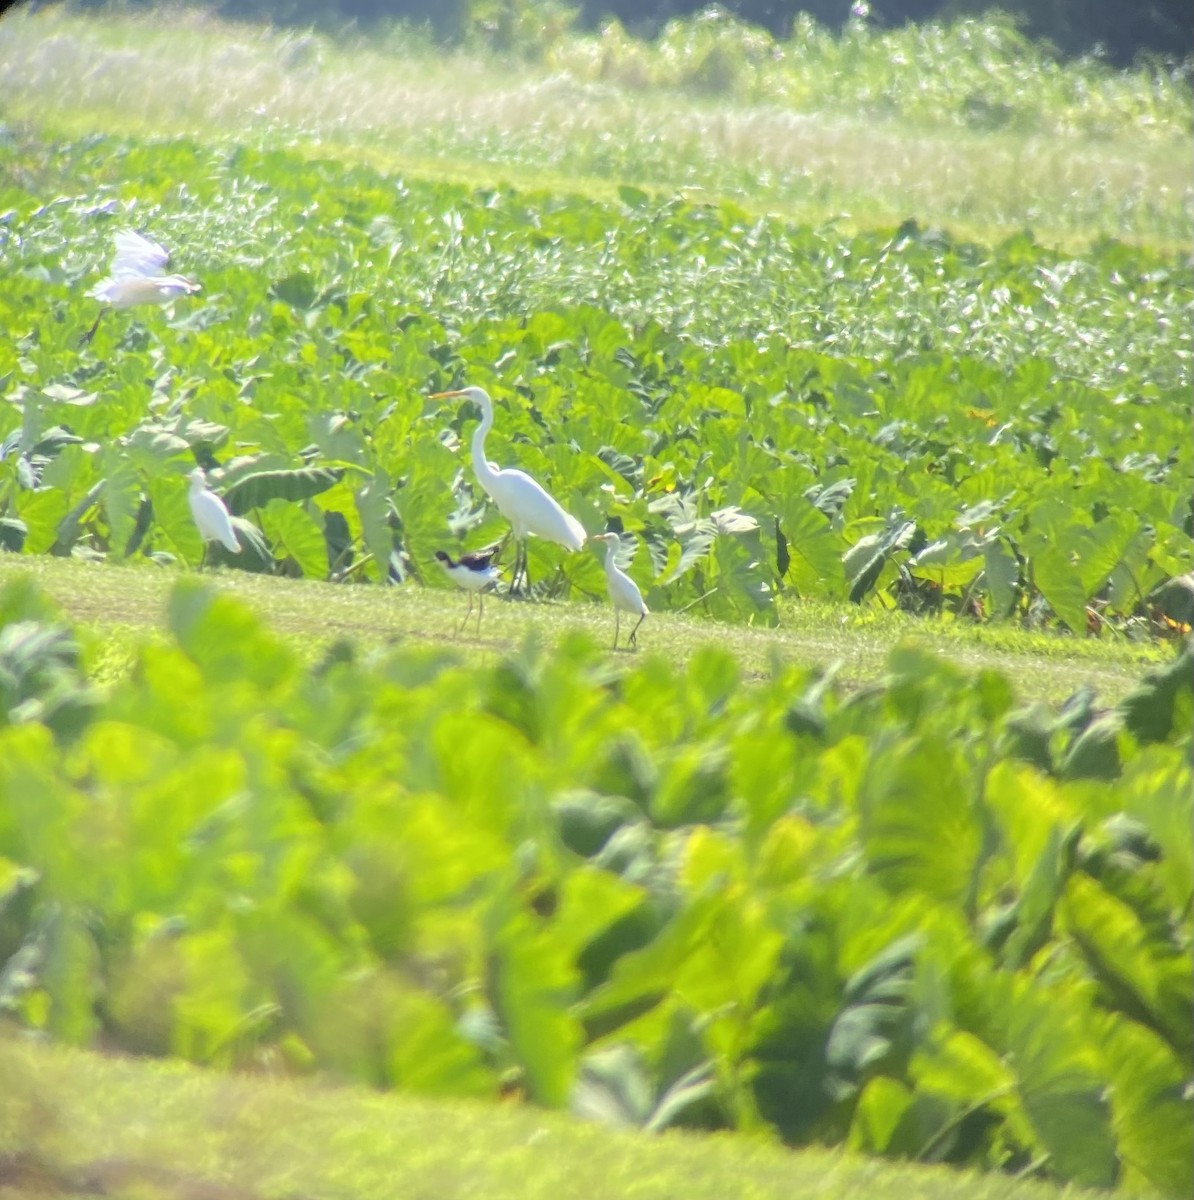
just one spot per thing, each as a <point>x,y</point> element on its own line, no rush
<point>520,499</point>
<point>210,514</point>
<point>474,573</point>
<point>623,591</point>
<point>137,278</point>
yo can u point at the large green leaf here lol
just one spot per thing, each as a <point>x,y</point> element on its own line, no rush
<point>1002,574</point>
<point>374,507</point>
<point>41,512</point>
<point>174,527</point>
<point>869,1030</point>
<point>1153,1108</point>
<point>121,498</point>
<point>1102,549</point>
<point>1054,574</point>
<point>1139,973</point>
<point>295,534</point>
<point>814,551</point>
<point>258,488</point>
<point>1034,909</point>
<point>917,820</point>
<point>532,987</point>
<point>1060,1086</point>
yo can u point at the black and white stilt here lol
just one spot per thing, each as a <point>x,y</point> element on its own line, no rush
<point>474,573</point>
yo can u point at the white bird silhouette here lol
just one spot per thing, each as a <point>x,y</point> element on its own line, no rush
<point>211,514</point>
<point>623,591</point>
<point>520,499</point>
<point>137,278</point>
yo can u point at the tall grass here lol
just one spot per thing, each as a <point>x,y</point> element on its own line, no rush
<point>973,74</point>
<point>970,127</point>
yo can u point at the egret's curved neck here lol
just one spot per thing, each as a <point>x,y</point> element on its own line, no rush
<point>485,473</point>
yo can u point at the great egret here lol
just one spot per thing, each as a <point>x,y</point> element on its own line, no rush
<point>520,499</point>
<point>211,514</point>
<point>474,573</point>
<point>623,591</point>
<point>137,278</point>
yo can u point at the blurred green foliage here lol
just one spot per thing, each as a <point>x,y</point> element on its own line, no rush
<point>919,920</point>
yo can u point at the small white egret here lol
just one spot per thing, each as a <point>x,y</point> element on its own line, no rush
<point>474,573</point>
<point>210,514</point>
<point>519,498</point>
<point>623,591</point>
<point>137,278</point>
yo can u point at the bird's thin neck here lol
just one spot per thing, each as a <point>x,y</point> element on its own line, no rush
<point>480,463</point>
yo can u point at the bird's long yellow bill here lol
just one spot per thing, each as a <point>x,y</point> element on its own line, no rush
<point>444,395</point>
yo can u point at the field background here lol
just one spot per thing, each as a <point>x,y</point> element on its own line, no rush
<point>875,343</point>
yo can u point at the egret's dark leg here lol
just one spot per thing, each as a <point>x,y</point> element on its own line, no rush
<point>91,332</point>
<point>526,569</point>
<point>521,584</point>
<point>617,621</point>
<point>634,631</point>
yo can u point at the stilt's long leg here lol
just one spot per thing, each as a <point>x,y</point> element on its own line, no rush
<point>468,614</point>
<point>480,610</point>
<point>634,631</point>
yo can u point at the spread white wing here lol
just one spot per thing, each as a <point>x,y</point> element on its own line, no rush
<point>137,256</point>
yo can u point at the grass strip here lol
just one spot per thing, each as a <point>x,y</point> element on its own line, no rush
<point>80,1124</point>
<point>122,604</point>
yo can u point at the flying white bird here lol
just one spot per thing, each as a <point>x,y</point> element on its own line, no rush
<point>623,591</point>
<point>474,573</point>
<point>520,499</point>
<point>211,514</point>
<point>137,278</point>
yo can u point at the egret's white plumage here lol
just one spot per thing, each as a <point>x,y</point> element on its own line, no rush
<point>137,277</point>
<point>519,498</point>
<point>211,513</point>
<point>474,573</point>
<point>623,591</point>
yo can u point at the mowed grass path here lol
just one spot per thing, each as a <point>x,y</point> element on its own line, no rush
<point>121,605</point>
<point>80,1124</point>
